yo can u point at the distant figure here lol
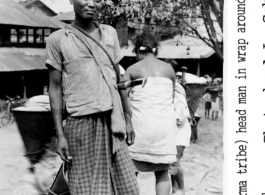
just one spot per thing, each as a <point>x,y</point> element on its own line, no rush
<point>215,101</point>
<point>153,116</point>
<point>208,103</point>
<point>183,138</point>
<point>217,81</point>
<point>209,79</point>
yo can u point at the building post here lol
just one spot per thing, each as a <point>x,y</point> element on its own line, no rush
<point>24,88</point>
<point>198,68</point>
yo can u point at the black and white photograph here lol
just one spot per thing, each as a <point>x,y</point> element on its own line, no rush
<point>129,97</point>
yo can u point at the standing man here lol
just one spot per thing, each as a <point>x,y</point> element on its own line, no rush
<point>83,80</point>
<point>208,104</point>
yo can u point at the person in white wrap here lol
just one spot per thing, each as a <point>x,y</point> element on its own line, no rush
<point>183,138</point>
<point>153,115</point>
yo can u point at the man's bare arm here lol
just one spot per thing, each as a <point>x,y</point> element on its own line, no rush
<point>127,113</point>
<point>56,102</point>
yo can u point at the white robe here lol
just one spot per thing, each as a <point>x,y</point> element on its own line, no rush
<point>182,116</point>
<point>154,121</point>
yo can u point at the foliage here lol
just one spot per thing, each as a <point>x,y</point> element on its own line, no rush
<point>202,19</point>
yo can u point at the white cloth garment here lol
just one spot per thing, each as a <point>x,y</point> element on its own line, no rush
<point>182,116</point>
<point>216,104</point>
<point>154,121</point>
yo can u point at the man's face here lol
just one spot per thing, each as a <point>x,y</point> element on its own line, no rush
<point>87,9</point>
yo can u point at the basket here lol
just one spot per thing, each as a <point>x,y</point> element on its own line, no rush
<point>194,92</point>
<point>36,129</point>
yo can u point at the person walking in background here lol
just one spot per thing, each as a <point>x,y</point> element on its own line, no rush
<point>183,138</point>
<point>153,116</point>
<point>83,77</point>
<point>209,79</point>
<point>208,103</point>
<point>215,101</point>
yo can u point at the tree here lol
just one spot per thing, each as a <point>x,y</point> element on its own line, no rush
<point>202,19</point>
<point>210,12</point>
<point>209,8</point>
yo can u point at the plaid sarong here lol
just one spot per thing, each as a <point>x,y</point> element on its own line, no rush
<point>95,170</point>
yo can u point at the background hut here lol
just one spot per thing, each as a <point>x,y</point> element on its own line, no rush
<point>22,50</point>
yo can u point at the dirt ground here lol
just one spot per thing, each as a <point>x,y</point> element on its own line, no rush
<point>15,178</point>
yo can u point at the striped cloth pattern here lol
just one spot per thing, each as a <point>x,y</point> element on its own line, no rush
<point>94,171</point>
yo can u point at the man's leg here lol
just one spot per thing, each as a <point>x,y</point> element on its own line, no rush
<point>162,182</point>
<point>178,181</point>
<point>208,110</point>
<point>205,110</point>
<point>124,171</point>
<point>177,176</point>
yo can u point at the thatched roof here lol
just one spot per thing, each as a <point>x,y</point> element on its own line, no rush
<point>22,59</point>
<point>168,50</point>
<point>57,6</point>
<point>69,16</point>
<point>12,13</point>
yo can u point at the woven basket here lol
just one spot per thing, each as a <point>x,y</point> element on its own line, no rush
<point>194,93</point>
<point>36,129</point>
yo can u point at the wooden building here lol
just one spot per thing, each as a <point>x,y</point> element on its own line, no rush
<point>22,50</point>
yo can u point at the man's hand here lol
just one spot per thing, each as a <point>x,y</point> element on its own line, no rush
<point>130,135</point>
<point>174,168</point>
<point>62,149</point>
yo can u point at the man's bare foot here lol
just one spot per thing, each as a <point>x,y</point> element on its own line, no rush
<point>179,192</point>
